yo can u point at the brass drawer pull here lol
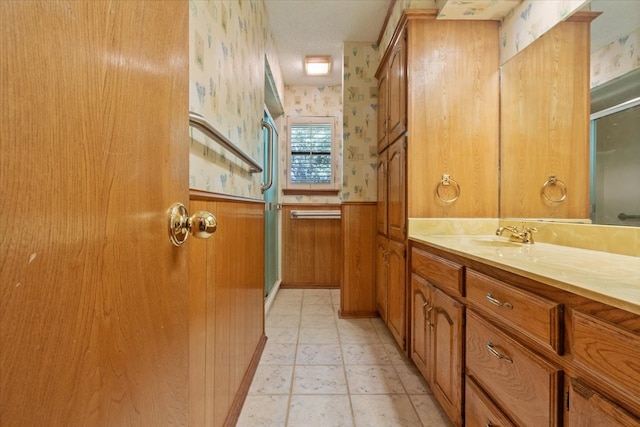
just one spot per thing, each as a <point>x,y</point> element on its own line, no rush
<point>493,300</point>
<point>497,354</point>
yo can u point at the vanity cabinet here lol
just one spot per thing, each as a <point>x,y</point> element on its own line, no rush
<point>437,331</point>
<point>587,408</point>
<point>544,123</point>
<point>524,385</point>
<point>499,348</point>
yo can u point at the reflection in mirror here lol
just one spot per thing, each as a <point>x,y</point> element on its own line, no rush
<point>615,151</point>
<point>615,119</point>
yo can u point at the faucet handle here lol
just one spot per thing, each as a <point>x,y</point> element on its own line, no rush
<point>527,234</point>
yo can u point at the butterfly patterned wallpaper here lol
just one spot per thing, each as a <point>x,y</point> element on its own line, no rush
<point>530,20</point>
<point>619,57</point>
<point>360,122</point>
<point>229,42</point>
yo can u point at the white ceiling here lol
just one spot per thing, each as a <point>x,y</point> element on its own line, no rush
<point>320,27</point>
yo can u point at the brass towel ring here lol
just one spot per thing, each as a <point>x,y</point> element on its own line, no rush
<point>553,181</point>
<point>446,182</point>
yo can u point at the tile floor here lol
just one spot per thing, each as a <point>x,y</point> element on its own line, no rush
<point>320,370</point>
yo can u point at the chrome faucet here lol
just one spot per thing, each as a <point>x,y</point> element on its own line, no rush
<point>523,236</point>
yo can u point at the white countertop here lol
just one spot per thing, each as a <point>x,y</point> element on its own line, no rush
<point>605,277</point>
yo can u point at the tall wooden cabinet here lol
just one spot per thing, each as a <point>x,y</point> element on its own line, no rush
<point>438,116</point>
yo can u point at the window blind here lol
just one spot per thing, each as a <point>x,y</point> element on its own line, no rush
<point>311,153</point>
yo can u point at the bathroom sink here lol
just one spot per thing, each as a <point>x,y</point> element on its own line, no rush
<point>495,242</point>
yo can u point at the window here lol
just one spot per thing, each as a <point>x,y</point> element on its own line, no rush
<point>311,164</point>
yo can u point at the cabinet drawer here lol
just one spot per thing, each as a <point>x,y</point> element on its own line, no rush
<point>607,350</point>
<point>445,274</point>
<point>525,386</point>
<point>480,411</point>
<point>535,316</point>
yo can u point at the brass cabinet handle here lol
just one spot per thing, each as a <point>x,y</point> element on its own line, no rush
<point>488,424</point>
<point>428,308</point>
<point>495,301</point>
<point>497,354</point>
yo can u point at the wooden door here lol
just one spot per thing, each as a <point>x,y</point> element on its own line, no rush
<point>396,191</point>
<point>396,292</point>
<point>93,296</point>
<point>447,341</point>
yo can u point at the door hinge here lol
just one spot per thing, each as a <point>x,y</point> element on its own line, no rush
<point>404,253</point>
<point>567,401</point>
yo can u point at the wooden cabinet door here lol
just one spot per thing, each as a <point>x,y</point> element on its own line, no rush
<point>383,140</point>
<point>94,325</point>
<point>382,209</point>
<point>396,291</point>
<point>453,75</point>
<point>586,408</point>
<point>397,102</point>
<point>382,276</point>
<point>447,341</point>
<point>545,126</point>
<point>396,191</point>
<point>421,308</point>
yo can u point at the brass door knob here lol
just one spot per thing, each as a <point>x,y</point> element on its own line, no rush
<point>201,224</point>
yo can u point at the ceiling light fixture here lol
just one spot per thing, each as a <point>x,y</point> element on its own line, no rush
<point>317,65</point>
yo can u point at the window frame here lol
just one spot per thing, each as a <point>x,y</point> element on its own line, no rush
<point>331,186</point>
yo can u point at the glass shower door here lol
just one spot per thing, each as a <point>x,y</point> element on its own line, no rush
<point>271,220</point>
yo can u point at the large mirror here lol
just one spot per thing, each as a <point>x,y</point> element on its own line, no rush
<point>615,113</point>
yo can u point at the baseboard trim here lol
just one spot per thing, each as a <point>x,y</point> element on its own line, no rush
<point>271,298</point>
<point>243,391</point>
<point>357,314</point>
<point>308,286</point>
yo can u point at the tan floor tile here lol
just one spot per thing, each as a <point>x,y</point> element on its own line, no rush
<point>384,410</point>
<point>319,380</point>
<point>264,411</point>
<point>320,411</point>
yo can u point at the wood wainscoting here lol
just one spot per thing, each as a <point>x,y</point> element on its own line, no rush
<point>358,292</point>
<point>311,249</point>
<point>226,308</point>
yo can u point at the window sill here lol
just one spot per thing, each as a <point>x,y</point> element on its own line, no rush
<point>309,192</point>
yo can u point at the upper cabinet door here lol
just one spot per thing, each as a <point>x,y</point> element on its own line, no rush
<point>397,99</point>
<point>453,93</point>
<point>382,111</point>
<point>545,126</point>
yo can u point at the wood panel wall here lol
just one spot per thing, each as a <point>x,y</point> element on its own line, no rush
<point>358,290</point>
<point>226,309</point>
<point>311,249</point>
